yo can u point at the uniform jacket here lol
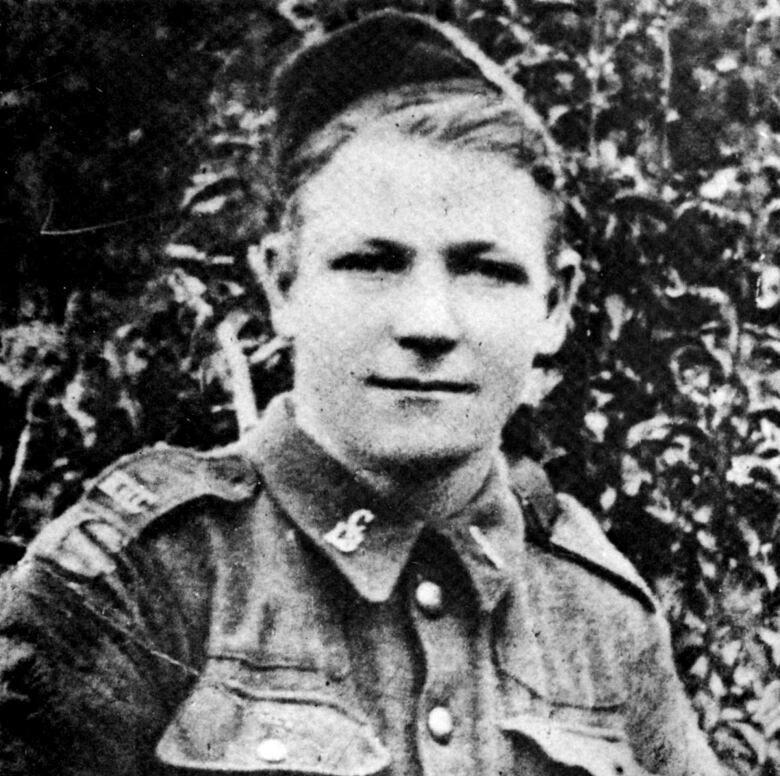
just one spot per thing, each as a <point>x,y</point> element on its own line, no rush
<point>261,611</point>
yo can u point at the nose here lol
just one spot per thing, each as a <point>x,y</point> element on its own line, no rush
<point>425,319</point>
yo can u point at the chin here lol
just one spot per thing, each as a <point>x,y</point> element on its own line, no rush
<point>400,448</point>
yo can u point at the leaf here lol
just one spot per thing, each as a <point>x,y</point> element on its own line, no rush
<point>708,569</point>
<point>741,471</point>
<point>717,688</point>
<point>730,651</point>
<point>723,182</point>
<point>771,10</point>
<point>557,112</point>
<point>772,639</point>
<point>770,576</point>
<point>766,710</point>
<point>180,251</point>
<point>607,499</point>
<point>210,206</point>
<point>656,428</point>
<point>597,423</point>
<point>618,312</point>
<point>728,63</point>
<point>664,513</point>
<point>754,738</point>
<point>633,475</point>
<point>205,179</point>
<point>706,540</point>
<point>745,676</point>
<point>768,288</point>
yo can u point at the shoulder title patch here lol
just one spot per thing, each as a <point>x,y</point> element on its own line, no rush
<point>127,493</point>
<point>131,494</point>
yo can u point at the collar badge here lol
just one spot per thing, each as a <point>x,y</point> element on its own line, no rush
<point>487,548</point>
<point>347,535</point>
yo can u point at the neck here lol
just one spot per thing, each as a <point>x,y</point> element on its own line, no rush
<point>437,487</point>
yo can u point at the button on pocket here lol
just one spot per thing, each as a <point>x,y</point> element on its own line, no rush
<point>272,750</point>
<point>440,724</point>
<point>219,729</point>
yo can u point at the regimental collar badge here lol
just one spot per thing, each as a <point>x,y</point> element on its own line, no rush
<point>347,535</point>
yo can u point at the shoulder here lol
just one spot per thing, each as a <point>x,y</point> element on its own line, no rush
<point>562,527</point>
<point>131,494</point>
<point>577,536</point>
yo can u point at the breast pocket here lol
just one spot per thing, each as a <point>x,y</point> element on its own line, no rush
<point>555,748</point>
<point>231,729</point>
<point>564,691</point>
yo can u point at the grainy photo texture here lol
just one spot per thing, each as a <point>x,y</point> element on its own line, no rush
<point>390,387</point>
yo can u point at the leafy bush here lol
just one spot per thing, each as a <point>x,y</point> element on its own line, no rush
<point>669,114</point>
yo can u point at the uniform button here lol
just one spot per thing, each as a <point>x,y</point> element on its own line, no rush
<point>272,750</point>
<point>429,598</point>
<point>440,724</point>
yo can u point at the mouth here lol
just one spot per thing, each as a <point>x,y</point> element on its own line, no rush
<point>420,386</point>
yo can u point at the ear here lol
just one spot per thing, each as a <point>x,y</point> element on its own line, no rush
<point>273,265</point>
<point>567,278</point>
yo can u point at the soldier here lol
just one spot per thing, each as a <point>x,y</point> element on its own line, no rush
<point>362,585</point>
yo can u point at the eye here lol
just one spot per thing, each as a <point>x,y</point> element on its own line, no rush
<point>493,269</point>
<point>482,259</point>
<point>369,261</point>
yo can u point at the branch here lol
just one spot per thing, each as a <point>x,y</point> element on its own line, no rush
<point>46,232</point>
<point>241,381</point>
<point>666,91</point>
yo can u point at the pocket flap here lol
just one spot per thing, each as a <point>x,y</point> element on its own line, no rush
<point>595,750</point>
<point>221,729</point>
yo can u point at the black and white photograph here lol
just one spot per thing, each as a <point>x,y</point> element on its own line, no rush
<point>390,387</point>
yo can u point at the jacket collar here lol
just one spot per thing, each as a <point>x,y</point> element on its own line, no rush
<point>319,494</point>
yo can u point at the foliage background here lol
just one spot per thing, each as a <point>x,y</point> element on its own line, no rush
<point>135,181</point>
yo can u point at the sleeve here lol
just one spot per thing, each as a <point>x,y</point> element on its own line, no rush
<point>662,725</point>
<point>94,658</point>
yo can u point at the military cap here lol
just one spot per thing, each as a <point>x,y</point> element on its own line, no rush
<point>381,52</point>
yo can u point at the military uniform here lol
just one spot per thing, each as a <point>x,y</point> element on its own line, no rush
<point>262,611</point>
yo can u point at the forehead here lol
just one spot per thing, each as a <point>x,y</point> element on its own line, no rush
<point>413,190</point>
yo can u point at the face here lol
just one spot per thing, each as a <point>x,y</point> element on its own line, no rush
<point>419,302</point>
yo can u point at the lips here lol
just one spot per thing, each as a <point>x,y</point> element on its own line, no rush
<point>421,385</point>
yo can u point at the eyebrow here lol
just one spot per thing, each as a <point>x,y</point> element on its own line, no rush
<point>457,254</point>
<point>466,252</point>
<point>459,251</point>
<point>470,249</point>
<point>389,246</point>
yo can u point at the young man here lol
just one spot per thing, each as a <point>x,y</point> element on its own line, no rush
<point>362,585</point>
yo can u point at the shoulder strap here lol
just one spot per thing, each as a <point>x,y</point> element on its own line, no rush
<point>560,524</point>
<point>143,486</point>
<point>122,501</point>
<point>577,534</point>
<point>533,490</point>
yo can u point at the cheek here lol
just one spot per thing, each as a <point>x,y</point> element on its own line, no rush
<point>318,310</point>
<point>330,336</point>
<point>510,327</point>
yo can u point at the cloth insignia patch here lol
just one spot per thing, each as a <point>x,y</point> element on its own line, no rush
<point>127,493</point>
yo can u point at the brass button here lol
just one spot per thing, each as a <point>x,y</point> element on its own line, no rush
<point>272,750</point>
<point>429,597</point>
<point>440,724</point>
